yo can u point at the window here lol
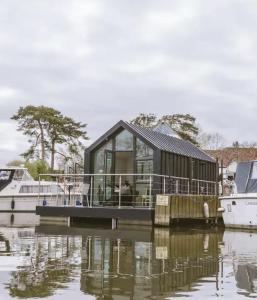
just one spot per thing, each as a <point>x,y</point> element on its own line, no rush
<point>254,171</point>
<point>144,167</point>
<point>143,150</point>
<point>5,175</point>
<point>18,175</point>
<point>44,189</point>
<point>124,141</point>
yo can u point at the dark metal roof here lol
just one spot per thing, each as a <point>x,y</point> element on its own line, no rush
<point>170,143</point>
<point>157,140</point>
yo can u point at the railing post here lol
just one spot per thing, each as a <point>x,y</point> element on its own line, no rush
<point>91,190</point>
<point>150,192</point>
<point>188,187</point>
<point>198,187</point>
<point>164,185</point>
<point>207,188</point>
<point>120,191</point>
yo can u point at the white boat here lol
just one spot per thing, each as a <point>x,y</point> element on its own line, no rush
<point>20,192</point>
<point>239,209</point>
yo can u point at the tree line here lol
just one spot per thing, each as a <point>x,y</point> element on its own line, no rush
<point>51,134</point>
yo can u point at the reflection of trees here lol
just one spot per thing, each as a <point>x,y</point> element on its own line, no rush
<point>139,270</point>
<point>47,267</point>
<point>113,267</point>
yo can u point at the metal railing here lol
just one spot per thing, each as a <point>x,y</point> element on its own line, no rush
<point>121,190</point>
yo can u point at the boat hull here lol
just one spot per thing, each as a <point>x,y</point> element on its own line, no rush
<point>28,203</point>
<point>239,211</point>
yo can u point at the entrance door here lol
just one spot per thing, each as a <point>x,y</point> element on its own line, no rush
<point>108,179</point>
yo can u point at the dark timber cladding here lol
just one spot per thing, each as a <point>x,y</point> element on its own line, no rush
<point>119,150</point>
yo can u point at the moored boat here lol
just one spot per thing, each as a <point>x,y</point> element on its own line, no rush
<point>239,209</point>
<point>20,192</point>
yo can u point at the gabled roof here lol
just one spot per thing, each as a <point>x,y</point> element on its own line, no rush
<point>157,140</point>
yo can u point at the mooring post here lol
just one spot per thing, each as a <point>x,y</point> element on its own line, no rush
<point>120,191</point>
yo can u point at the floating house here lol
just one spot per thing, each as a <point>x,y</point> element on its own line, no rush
<point>149,162</point>
<point>139,176</point>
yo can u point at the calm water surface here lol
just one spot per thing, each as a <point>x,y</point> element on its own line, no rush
<point>54,262</point>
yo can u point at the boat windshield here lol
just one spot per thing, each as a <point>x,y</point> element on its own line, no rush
<point>5,175</point>
<point>18,175</point>
<point>22,175</point>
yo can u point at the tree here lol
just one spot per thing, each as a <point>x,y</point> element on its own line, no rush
<point>32,122</point>
<point>145,120</point>
<point>64,130</point>
<point>48,128</point>
<point>211,141</point>
<point>183,124</point>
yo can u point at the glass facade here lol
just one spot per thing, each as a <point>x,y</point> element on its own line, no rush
<point>143,151</point>
<point>125,154</point>
<point>100,168</point>
<point>124,141</point>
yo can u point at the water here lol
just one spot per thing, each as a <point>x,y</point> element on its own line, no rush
<point>54,262</point>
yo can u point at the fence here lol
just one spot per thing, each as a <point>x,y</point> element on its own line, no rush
<point>122,190</point>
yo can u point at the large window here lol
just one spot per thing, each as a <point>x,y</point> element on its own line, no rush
<point>144,160</point>
<point>35,189</point>
<point>144,167</point>
<point>143,150</point>
<point>124,141</point>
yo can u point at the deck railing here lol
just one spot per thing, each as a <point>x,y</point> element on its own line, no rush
<point>121,190</point>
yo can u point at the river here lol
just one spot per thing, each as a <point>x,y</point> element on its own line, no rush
<point>95,262</point>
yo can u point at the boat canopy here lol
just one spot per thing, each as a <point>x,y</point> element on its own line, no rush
<point>246,177</point>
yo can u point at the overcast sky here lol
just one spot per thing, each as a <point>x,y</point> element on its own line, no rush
<point>102,61</point>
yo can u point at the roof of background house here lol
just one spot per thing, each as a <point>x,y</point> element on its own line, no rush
<point>231,154</point>
<point>165,129</point>
<point>159,140</point>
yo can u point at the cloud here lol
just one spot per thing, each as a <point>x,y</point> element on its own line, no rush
<point>102,61</point>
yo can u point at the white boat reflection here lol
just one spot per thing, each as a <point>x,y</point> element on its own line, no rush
<point>239,253</point>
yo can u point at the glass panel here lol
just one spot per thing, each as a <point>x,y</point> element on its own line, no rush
<point>5,175</point>
<point>124,141</point>
<point>109,180</point>
<point>143,150</point>
<point>254,171</point>
<point>99,168</point>
<point>142,194</point>
<point>18,175</point>
<point>144,167</point>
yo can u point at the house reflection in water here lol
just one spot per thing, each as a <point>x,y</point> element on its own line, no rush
<point>113,264</point>
<point>142,270</point>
